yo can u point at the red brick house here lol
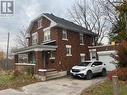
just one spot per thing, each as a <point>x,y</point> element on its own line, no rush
<point>55,43</point>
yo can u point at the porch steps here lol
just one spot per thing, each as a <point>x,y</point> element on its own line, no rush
<point>52,74</point>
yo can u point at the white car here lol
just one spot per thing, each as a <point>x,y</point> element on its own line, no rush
<point>88,69</point>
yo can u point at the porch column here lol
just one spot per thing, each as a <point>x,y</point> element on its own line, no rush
<point>38,56</point>
<point>15,60</point>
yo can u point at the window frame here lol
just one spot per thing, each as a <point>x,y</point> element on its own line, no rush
<point>51,54</point>
<point>68,50</point>
<point>82,55</point>
<point>93,51</point>
<point>64,32</point>
<point>47,35</point>
<point>35,38</point>
<point>81,39</point>
<point>39,23</point>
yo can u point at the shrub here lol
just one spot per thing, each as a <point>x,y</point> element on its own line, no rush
<point>120,72</point>
<point>16,73</point>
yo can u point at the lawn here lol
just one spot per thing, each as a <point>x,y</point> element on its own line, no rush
<point>11,81</point>
<point>105,89</point>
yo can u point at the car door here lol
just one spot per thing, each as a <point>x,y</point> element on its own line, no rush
<point>100,66</point>
<point>94,67</point>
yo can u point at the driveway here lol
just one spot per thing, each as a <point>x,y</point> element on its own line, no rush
<point>63,86</point>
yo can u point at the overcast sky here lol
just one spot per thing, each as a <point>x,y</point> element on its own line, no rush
<point>25,11</point>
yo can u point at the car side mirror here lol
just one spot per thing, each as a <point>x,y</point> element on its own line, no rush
<point>93,65</point>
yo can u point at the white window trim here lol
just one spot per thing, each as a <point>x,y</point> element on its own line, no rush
<point>47,40</point>
<point>82,55</point>
<point>36,36</point>
<point>39,23</point>
<point>81,35</point>
<point>51,55</point>
<point>69,46</point>
<point>92,50</point>
<point>66,35</point>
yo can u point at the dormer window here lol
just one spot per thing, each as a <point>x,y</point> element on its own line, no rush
<point>81,39</point>
<point>64,35</point>
<point>39,23</point>
<point>34,38</point>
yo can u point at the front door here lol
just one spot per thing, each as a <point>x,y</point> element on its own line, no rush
<point>46,59</point>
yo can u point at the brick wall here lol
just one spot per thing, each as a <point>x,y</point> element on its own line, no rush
<point>62,62</point>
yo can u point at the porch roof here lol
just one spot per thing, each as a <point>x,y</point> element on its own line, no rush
<point>35,48</point>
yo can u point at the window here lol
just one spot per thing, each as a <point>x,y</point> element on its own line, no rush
<point>97,63</point>
<point>52,54</point>
<point>64,35</point>
<point>93,41</point>
<point>34,38</point>
<point>27,42</point>
<point>82,56</point>
<point>68,50</point>
<point>39,23</point>
<point>47,35</point>
<point>81,39</point>
<point>93,54</point>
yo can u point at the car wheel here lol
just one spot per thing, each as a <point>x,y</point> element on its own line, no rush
<point>104,72</point>
<point>89,75</point>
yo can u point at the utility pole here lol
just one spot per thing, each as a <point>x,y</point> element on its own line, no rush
<point>7,51</point>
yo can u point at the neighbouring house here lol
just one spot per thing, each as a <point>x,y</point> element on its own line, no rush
<point>56,43</point>
<point>105,54</point>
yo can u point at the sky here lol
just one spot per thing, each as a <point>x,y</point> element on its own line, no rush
<point>24,12</point>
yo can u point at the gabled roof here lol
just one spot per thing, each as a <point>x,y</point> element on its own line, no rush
<point>60,22</point>
<point>69,25</point>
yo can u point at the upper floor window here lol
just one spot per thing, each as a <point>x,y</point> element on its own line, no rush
<point>81,39</point>
<point>64,34</point>
<point>34,38</point>
<point>47,36</point>
<point>93,41</point>
<point>68,50</point>
<point>82,56</point>
<point>39,23</point>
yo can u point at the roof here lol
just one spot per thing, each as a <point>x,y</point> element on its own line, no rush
<point>66,24</point>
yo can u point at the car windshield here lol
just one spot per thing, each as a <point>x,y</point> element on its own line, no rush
<point>84,64</point>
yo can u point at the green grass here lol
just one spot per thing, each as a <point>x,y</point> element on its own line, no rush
<point>10,81</point>
<point>105,89</point>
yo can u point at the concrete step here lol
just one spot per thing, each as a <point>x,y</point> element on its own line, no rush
<point>52,77</point>
<point>56,75</point>
<point>50,73</point>
<point>53,74</point>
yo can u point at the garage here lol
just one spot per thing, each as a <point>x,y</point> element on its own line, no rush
<point>105,57</point>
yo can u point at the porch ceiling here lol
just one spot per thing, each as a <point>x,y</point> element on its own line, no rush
<point>35,48</point>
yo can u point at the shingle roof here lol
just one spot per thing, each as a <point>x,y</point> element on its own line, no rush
<point>69,25</point>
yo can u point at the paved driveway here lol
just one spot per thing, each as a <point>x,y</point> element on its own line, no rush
<point>63,86</point>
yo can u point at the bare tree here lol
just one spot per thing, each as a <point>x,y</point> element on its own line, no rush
<point>21,39</point>
<point>91,17</point>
